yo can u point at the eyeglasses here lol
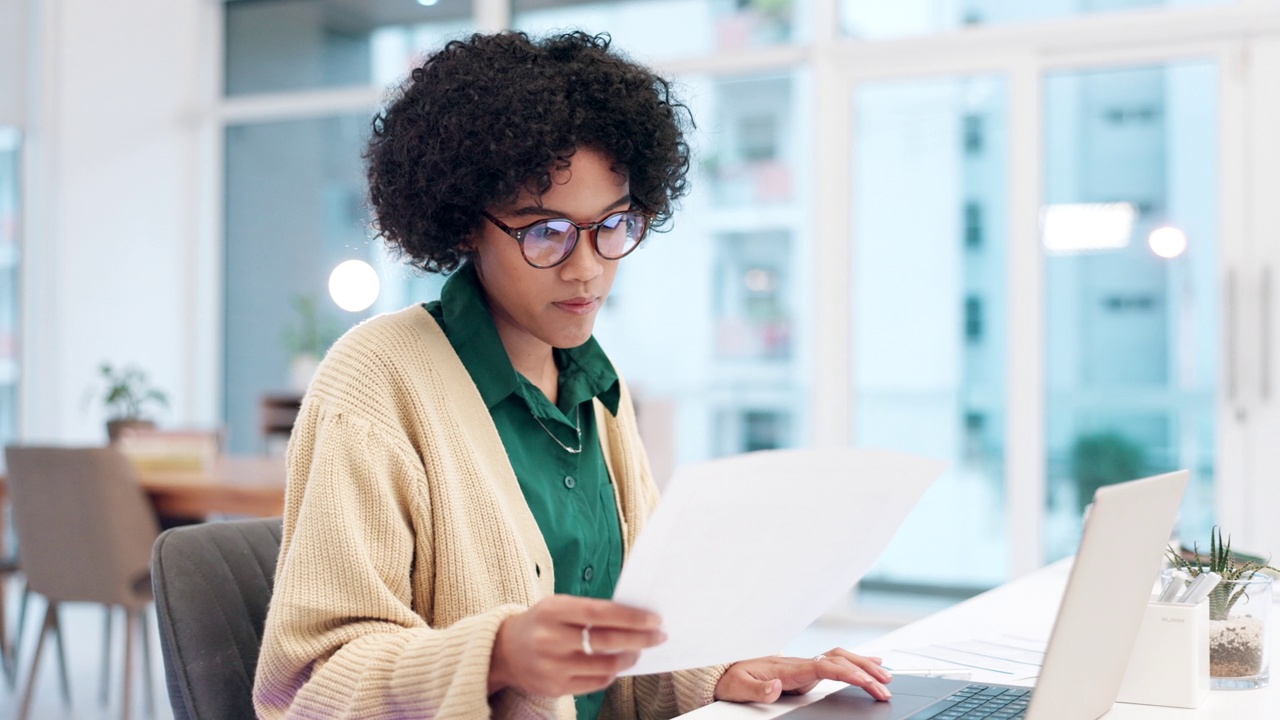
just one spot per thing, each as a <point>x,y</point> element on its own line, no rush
<point>547,243</point>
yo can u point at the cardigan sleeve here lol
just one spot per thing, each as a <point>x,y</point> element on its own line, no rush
<point>666,695</point>
<point>343,638</point>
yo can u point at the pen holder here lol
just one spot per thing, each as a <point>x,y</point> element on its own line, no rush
<point>1170,661</point>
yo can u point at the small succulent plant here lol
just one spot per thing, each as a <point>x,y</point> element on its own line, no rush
<point>1220,560</point>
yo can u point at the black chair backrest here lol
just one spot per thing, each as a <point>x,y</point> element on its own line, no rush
<point>212,586</point>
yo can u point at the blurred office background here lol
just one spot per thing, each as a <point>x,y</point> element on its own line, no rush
<point>1035,239</point>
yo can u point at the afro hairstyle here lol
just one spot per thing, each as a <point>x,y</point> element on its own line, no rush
<point>490,116</point>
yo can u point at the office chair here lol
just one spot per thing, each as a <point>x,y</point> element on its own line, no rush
<point>212,586</point>
<point>9,646</point>
<point>85,529</point>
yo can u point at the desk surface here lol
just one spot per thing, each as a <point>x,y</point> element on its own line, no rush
<point>236,485</point>
<point>1024,607</point>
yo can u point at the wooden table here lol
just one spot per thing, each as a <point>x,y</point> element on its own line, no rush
<point>235,485</point>
<point>250,485</point>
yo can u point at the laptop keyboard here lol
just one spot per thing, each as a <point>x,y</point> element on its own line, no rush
<point>973,702</point>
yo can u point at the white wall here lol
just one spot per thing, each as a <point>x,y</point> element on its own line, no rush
<point>119,262</point>
<point>13,66</point>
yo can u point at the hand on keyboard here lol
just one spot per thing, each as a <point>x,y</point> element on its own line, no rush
<point>766,679</point>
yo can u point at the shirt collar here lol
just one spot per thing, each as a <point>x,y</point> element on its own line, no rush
<point>585,371</point>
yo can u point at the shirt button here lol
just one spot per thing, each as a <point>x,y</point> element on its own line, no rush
<point>569,482</point>
<point>588,573</point>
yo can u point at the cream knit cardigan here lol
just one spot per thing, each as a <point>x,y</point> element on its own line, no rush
<point>407,541</point>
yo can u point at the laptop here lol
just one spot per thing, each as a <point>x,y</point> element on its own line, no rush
<point>1120,552</point>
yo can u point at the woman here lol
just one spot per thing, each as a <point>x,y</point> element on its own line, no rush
<point>466,476</point>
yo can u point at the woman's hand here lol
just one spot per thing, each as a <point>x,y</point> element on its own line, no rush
<point>766,679</point>
<point>568,645</point>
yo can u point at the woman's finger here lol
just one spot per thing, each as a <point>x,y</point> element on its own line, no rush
<point>596,672</point>
<point>565,637</point>
<point>802,675</point>
<point>611,640</point>
<point>583,684</point>
<point>601,613</point>
<point>839,667</point>
<point>610,664</point>
<point>738,685</point>
<point>871,665</point>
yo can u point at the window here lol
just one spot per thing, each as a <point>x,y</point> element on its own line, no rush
<point>709,319</point>
<point>928,356</point>
<point>1132,351</point>
<point>752,290</point>
<point>655,30</point>
<point>753,156</point>
<point>10,254</point>
<point>284,45</point>
<point>294,210</point>
<point>874,20</point>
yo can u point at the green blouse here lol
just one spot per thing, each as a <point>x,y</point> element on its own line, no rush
<point>570,494</point>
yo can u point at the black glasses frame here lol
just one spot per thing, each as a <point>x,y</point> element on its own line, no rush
<point>579,228</point>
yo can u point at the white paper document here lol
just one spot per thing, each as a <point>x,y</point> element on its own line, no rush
<point>744,552</point>
<point>1002,659</point>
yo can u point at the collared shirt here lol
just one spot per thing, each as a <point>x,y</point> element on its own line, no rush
<point>570,494</point>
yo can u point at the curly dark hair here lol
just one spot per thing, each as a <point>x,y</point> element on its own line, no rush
<point>492,115</point>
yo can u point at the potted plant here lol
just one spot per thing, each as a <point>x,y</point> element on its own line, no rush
<point>1238,609</point>
<point>127,396</point>
<point>307,340</point>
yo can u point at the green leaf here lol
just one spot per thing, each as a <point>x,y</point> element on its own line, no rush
<point>128,392</point>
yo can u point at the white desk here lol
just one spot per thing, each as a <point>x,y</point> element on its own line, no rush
<point>1023,607</point>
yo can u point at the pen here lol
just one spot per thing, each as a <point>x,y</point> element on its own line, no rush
<point>954,674</point>
<point>1200,588</point>
<point>1193,589</point>
<point>1177,583</point>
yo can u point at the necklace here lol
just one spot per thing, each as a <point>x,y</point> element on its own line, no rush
<point>568,449</point>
